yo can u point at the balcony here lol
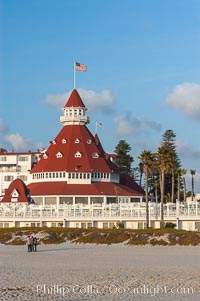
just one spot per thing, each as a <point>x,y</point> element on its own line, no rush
<point>74,119</point>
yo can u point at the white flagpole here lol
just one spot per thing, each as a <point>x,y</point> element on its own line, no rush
<point>74,75</point>
<point>97,124</point>
<point>96,127</point>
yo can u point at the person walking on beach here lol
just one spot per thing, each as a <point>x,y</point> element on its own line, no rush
<point>31,238</point>
<point>28,242</point>
<point>35,244</point>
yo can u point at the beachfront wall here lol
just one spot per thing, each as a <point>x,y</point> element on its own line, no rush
<point>132,216</point>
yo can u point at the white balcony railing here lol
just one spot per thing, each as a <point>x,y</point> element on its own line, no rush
<point>133,210</point>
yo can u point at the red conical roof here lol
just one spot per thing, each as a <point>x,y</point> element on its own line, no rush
<point>74,149</point>
<point>74,100</point>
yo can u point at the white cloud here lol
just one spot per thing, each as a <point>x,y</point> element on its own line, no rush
<point>186,151</point>
<point>128,124</point>
<point>57,100</point>
<point>101,102</point>
<point>19,143</point>
<point>185,98</point>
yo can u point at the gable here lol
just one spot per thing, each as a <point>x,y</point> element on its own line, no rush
<point>16,192</point>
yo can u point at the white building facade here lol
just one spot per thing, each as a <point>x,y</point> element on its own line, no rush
<point>15,165</point>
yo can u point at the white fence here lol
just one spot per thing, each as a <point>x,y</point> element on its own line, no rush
<point>133,211</point>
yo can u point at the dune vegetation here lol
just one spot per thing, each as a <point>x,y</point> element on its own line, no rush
<point>165,237</point>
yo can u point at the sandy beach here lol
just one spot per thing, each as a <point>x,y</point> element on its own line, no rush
<point>99,272</point>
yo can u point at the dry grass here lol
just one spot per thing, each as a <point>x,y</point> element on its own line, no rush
<point>16,236</point>
<point>99,237</point>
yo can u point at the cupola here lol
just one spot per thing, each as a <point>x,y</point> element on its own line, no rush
<point>74,111</point>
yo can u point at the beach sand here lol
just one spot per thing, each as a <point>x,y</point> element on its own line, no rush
<point>99,272</point>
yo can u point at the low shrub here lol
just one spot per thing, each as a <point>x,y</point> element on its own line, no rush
<point>170,225</point>
<point>160,242</point>
<point>5,237</point>
<point>102,236</point>
<point>53,238</point>
<point>120,225</point>
<point>137,243</point>
<point>17,242</point>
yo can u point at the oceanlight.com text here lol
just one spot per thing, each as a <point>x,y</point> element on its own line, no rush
<point>112,289</point>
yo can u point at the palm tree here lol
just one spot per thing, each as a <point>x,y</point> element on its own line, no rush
<point>156,185</point>
<point>173,184</point>
<point>179,184</point>
<point>174,174</point>
<point>181,173</point>
<point>140,168</point>
<point>147,161</point>
<point>164,164</point>
<point>192,172</point>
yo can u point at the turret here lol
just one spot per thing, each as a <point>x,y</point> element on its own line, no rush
<point>74,111</point>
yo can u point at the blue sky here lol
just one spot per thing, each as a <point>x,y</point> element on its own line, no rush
<point>143,71</point>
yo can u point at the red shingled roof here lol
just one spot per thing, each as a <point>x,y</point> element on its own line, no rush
<point>62,188</point>
<point>127,181</point>
<point>19,186</point>
<point>65,145</point>
<point>74,101</point>
<point>98,143</point>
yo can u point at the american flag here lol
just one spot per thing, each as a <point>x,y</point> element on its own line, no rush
<point>80,67</point>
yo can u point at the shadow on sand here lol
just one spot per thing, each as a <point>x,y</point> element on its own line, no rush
<point>55,250</point>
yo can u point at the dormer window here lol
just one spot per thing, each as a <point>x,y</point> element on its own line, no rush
<point>54,141</point>
<point>89,141</point>
<point>59,155</point>
<point>15,193</point>
<point>77,140</point>
<point>95,155</point>
<point>64,141</point>
<point>45,156</point>
<point>78,155</point>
